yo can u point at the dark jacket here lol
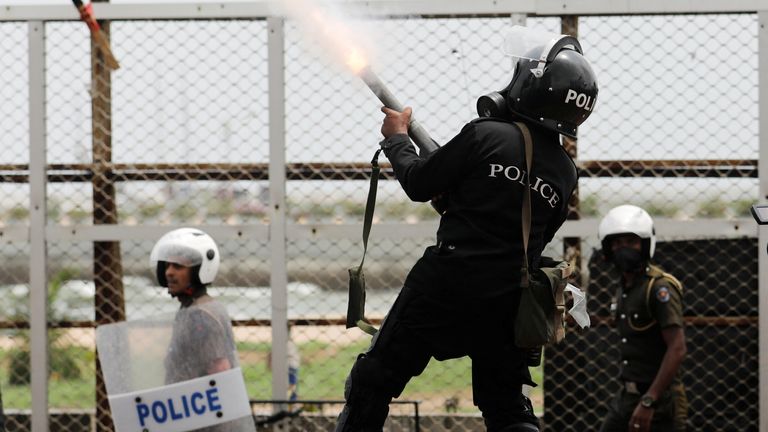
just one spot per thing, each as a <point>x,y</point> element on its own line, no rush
<point>482,171</point>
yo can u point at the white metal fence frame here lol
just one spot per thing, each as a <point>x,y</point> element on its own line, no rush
<point>279,231</point>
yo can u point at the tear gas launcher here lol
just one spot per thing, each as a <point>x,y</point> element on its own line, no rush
<point>417,133</point>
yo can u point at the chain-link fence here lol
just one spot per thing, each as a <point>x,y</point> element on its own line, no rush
<point>180,135</point>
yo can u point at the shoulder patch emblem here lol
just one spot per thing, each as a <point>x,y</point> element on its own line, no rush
<point>662,294</point>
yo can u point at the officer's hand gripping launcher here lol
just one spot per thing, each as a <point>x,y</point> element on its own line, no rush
<point>417,133</point>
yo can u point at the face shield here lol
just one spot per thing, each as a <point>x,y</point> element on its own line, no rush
<point>172,252</point>
<point>537,46</point>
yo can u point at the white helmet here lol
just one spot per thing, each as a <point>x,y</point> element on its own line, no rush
<point>189,247</point>
<point>627,219</point>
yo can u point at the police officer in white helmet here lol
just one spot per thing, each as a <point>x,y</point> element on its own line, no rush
<point>186,261</point>
<point>649,318</point>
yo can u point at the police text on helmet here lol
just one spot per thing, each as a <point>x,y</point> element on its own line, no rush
<point>511,172</point>
<point>582,100</point>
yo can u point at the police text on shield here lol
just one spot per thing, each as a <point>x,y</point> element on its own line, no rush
<point>195,404</point>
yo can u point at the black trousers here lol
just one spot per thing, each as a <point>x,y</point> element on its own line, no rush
<point>423,325</point>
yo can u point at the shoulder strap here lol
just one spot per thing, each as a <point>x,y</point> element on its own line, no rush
<point>370,204</point>
<point>526,208</point>
<point>657,274</point>
<point>675,282</point>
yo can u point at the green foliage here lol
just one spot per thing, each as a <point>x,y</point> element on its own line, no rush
<point>713,208</point>
<point>741,208</point>
<point>222,208</point>
<point>184,212</point>
<point>53,209</point>
<point>18,213</point>
<point>78,215</point>
<point>63,361</point>
<point>660,209</point>
<point>62,393</point>
<point>395,210</point>
<point>253,346</point>
<point>353,208</point>
<point>324,369</point>
<point>253,362</point>
<point>18,367</point>
<point>54,286</point>
<point>77,393</point>
<point>321,210</point>
<point>442,376</point>
<point>65,364</point>
<point>589,206</point>
<point>151,210</point>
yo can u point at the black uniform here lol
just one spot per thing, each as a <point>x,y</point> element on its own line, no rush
<point>460,297</point>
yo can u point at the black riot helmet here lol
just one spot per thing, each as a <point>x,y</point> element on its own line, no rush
<point>553,83</point>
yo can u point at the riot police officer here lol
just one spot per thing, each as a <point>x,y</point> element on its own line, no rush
<point>460,298</point>
<point>649,318</point>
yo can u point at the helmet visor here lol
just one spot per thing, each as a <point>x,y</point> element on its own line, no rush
<point>532,44</point>
<point>178,254</point>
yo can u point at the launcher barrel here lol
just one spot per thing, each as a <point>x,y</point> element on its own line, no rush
<point>417,132</point>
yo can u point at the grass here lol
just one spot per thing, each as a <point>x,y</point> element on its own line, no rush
<point>322,375</point>
<point>62,394</point>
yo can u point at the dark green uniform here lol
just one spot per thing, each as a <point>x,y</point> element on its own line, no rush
<point>652,303</point>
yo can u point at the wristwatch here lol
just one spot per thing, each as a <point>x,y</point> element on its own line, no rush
<point>648,401</point>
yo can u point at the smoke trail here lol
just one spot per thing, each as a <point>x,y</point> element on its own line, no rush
<point>343,39</point>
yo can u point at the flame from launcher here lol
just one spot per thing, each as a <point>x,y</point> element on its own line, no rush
<point>338,38</point>
<point>332,33</point>
<point>356,61</point>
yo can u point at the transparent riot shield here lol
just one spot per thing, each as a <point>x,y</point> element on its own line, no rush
<point>174,374</point>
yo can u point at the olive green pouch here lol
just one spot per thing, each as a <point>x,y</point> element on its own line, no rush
<point>540,316</point>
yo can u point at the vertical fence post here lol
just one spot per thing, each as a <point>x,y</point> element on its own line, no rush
<point>569,24</point>
<point>277,180</point>
<point>109,303</point>
<point>762,170</point>
<point>38,260</point>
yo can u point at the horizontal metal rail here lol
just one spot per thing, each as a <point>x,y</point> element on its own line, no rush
<point>596,321</point>
<point>70,173</point>
<point>283,414</point>
<point>260,9</point>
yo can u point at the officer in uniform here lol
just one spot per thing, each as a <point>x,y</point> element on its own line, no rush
<point>460,298</point>
<point>649,317</point>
